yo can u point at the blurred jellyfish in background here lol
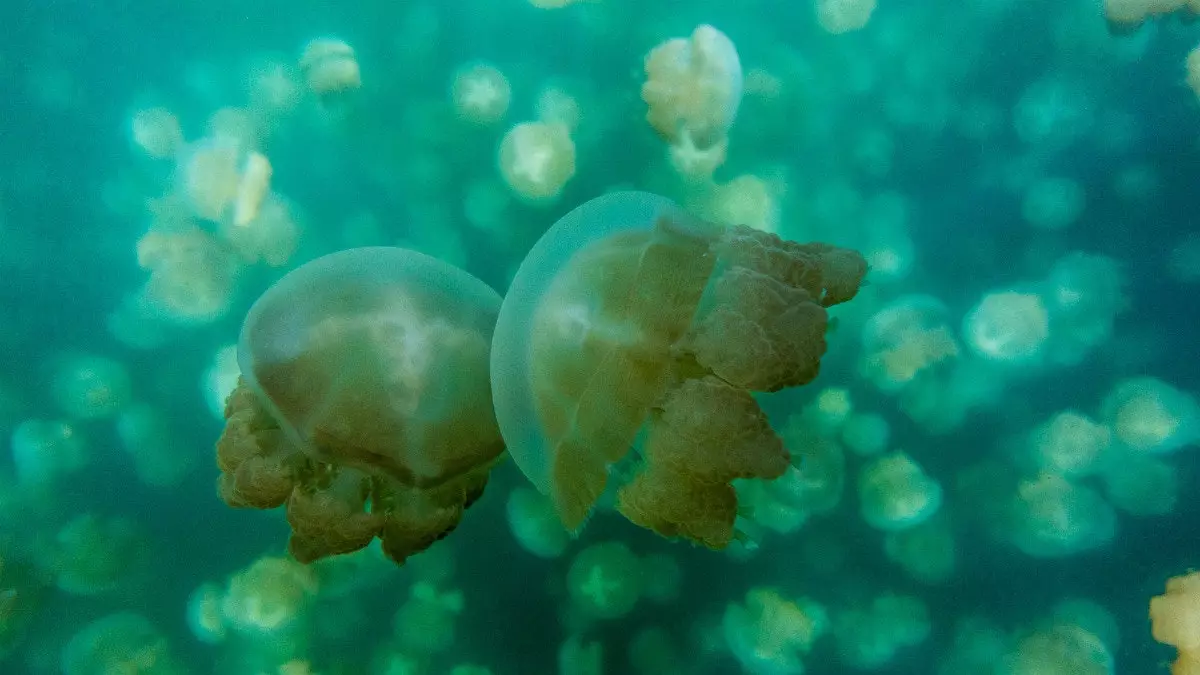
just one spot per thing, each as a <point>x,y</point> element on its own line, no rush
<point>481,94</point>
<point>159,458</point>
<point>44,451</point>
<point>535,524</point>
<point>221,379</point>
<point>90,387</point>
<point>1049,517</point>
<point>425,622</point>
<point>93,554</point>
<point>330,67</point>
<point>156,132</point>
<point>1070,444</point>
<point>1053,203</point>
<point>769,634</point>
<point>844,16</point>
<point>120,643</point>
<point>868,638</point>
<point>904,339</point>
<point>1085,293</point>
<point>536,160</point>
<point>1149,416</point>
<point>605,581</point>
<point>895,493</point>
<point>1008,327</point>
<point>927,551</point>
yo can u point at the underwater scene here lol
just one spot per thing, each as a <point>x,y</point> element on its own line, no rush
<point>600,337</point>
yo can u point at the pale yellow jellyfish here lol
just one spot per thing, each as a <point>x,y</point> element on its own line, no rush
<point>844,16</point>
<point>768,634</point>
<point>905,339</point>
<point>605,581</point>
<point>1008,327</point>
<point>693,87</point>
<point>87,386</point>
<point>1070,444</point>
<point>252,188</point>
<point>895,493</point>
<point>480,93</point>
<point>268,596</point>
<point>157,132</point>
<point>557,106</point>
<point>1150,416</point>
<point>1175,621</point>
<point>746,200</point>
<point>536,160</point>
<point>1051,517</point>
<point>193,275</point>
<point>330,67</point>
<point>124,643</point>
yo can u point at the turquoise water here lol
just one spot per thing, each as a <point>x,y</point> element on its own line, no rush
<point>993,473</point>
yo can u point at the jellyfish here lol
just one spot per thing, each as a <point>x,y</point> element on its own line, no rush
<point>769,633</point>
<point>480,93</point>
<point>330,67</point>
<point>693,87</point>
<point>651,328</point>
<point>364,405</point>
<point>124,642</point>
<point>1175,621</point>
<point>605,581</point>
<point>536,160</point>
<point>895,493</point>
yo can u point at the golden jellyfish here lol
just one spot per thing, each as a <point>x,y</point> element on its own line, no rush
<point>330,67</point>
<point>1175,621</point>
<point>156,131</point>
<point>481,93</point>
<point>651,329</point>
<point>844,16</point>
<point>536,160</point>
<point>364,405</point>
<point>693,88</point>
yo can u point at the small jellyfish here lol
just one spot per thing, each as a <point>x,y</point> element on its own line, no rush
<point>651,328</point>
<point>157,132</point>
<point>769,633</point>
<point>92,555</point>
<point>1051,517</point>
<point>45,450</point>
<point>1175,620</point>
<point>120,643</point>
<point>1008,327</point>
<point>365,404</point>
<point>330,67</point>
<point>480,93</point>
<point>844,16</point>
<point>1148,415</point>
<point>86,386</point>
<point>269,596</point>
<point>605,581</point>
<point>536,160</point>
<point>535,525</point>
<point>693,87</point>
<point>895,493</point>
<point>425,623</point>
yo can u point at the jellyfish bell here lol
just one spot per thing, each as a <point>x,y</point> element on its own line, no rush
<point>651,328</point>
<point>365,403</point>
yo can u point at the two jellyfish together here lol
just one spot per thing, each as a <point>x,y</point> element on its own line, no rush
<point>380,386</point>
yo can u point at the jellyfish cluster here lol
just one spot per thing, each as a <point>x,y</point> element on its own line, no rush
<point>379,386</point>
